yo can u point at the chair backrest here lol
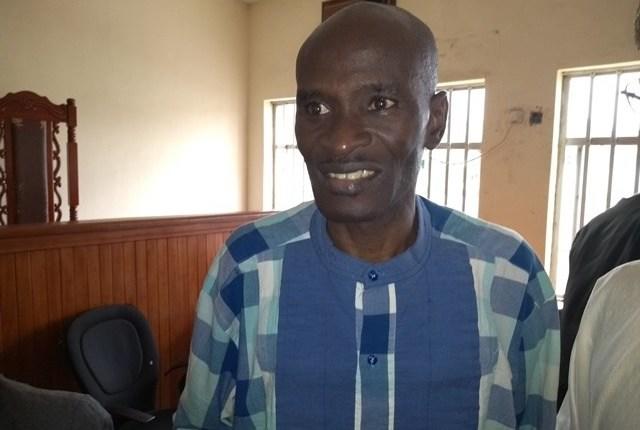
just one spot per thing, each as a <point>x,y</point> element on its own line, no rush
<point>24,407</point>
<point>30,159</point>
<point>114,356</point>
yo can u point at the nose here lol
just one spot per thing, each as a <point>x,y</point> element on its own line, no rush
<point>346,134</point>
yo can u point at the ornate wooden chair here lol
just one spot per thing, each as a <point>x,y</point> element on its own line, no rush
<point>30,159</point>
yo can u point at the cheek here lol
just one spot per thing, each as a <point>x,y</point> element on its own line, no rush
<point>410,168</point>
<point>403,148</point>
<point>306,139</point>
<point>402,131</point>
<point>302,142</point>
<point>406,153</point>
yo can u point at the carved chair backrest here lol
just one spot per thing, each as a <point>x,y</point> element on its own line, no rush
<point>30,159</point>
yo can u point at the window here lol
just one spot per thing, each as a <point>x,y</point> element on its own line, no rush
<point>450,174</point>
<point>291,184</point>
<point>598,153</point>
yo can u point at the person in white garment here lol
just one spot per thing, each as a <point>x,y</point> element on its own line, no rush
<point>604,373</point>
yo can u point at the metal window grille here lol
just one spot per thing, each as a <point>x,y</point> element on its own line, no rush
<point>291,184</point>
<point>450,174</point>
<point>598,154</point>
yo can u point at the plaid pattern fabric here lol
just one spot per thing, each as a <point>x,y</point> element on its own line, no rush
<point>231,376</point>
<point>375,334</point>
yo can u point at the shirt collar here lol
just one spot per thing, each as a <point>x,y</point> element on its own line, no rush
<point>398,267</point>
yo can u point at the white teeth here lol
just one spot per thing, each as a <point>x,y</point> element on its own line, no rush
<point>352,176</point>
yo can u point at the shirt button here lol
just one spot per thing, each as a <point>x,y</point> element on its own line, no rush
<point>372,360</point>
<point>373,275</point>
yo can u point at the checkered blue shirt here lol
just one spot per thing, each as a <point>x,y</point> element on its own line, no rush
<point>488,359</point>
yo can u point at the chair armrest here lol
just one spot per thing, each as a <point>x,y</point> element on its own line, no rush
<point>131,414</point>
<point>176,367</point>
<point>183,379</point>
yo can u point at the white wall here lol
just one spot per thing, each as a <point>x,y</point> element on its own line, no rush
<point>161,90</point>
<point>517,46</point>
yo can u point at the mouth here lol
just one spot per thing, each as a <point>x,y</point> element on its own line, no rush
<point>348,180</point>
<point>351,176</point>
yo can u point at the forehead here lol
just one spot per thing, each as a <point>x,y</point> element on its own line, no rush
<point>351,61</point>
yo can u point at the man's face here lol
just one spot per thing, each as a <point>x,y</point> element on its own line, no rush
<point>364,115</point>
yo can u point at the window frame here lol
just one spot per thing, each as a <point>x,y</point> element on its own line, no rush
<point>274,106</point>
<point>584,145</point>
<point>449,87</point>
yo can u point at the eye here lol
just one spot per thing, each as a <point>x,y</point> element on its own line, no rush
<point>381,103</point>
<point>315,108</point>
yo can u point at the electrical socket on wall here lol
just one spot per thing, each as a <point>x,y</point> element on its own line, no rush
<point>535,117</point>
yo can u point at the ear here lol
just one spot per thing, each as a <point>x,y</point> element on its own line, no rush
<point>439,107</point>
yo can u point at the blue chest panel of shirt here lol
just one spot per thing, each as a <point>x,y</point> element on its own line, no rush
<point>437,368</point>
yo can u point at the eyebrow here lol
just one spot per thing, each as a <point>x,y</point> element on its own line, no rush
<point>302,95</point>
<point>376,87</point>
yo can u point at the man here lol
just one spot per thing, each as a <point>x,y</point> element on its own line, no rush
<point>605,371</point>
<point>609,240</point>
<point>371,308</point>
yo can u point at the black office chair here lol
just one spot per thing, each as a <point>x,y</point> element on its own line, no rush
<point>25,407</point>
<point>115,360</point>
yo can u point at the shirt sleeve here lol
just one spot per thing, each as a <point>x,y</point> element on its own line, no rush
<point>539,341</point>
<point>207,401</point>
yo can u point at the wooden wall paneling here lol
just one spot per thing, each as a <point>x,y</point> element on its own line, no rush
<point>182,293</point>
<point>215,241</point>
<point>203,262</point>
<point>129,263</point>
<point>66,284</point>
<point>94,287</point>
<point>152,284</point>
<point>80,280</point>
<point>175,356</point>
<point>117,272</point>
<point>58,235</point>
<point>60,372</point>
<point>9,332</point>
<point>106,274</point>
<point>163,334</point>
<point>188,307</point>
<point>151,270</point>
<point>50,274</point>
<point>194,284</point>
<point>211,247</point>
<point>193,273</point>
<point>71,302</point>
<point>220,239</point>
<point>44,347</point>
<point>141,277</point>
<point>26,322</point>
<point>219,243</point>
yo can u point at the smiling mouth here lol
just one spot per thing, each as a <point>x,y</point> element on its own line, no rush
<point>352,176</point>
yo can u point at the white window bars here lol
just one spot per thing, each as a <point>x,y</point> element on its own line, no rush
<point>598,153</point>
<point>450,174</point>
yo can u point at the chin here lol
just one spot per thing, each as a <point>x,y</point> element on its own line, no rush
<point>348,210</point>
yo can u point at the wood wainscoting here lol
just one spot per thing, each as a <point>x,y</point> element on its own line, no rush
<point>50,273</point>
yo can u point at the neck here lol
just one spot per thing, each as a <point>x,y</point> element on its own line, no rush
<point>378,240</point>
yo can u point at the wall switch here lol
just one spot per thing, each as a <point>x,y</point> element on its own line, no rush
<point>516,116</point>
